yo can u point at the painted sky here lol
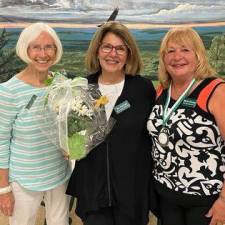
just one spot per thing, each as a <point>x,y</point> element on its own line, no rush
<point>132,11</point>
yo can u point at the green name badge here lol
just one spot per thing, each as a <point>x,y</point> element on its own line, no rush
<point>189,102</point>
<point>122,107</point>
<point>31,102</point>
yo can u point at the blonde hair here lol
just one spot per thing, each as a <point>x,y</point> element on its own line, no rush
<point>32,32</point>
<point>133,64</point>
<point>188,37</point>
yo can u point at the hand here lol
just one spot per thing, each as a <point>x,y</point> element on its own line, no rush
<point>65,154</point>
<point>7,203</point>
<point>217,212</point>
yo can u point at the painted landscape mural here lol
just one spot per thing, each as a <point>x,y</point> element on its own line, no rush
<point>91,11</point>
<point>77,20</point>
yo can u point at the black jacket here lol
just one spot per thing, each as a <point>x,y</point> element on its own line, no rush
<point>117,172</point>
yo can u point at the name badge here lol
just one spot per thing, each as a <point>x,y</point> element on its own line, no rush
<point>122,107</point>
<point>189,102</point>
<point>31,102</point>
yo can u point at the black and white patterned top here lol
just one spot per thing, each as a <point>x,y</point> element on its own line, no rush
<point>193,161</point>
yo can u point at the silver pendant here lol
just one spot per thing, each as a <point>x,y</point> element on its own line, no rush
<point>163,137</point>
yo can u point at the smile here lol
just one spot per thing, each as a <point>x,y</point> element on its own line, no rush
<point>112,61</point>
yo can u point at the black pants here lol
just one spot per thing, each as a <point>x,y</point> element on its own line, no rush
<point>177,214</point>
<point>108,216</point>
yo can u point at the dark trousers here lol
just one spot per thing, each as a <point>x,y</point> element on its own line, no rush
<point>172,213</point>
<point>108,216</point>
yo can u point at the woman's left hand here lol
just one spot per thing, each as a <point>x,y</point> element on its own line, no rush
<point>65,154</point>
<point>217,212</point>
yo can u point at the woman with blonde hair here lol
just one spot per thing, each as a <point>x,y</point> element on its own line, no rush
<point>187,126</point>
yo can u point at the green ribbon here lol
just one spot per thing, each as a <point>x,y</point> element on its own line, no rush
<point>167,113</point>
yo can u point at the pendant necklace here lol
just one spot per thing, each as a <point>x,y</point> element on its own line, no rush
<point>163,137</point>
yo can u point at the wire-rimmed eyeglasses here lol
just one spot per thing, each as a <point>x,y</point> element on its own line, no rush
<point>47,48</point>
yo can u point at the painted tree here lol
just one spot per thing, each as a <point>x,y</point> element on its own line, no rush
<point>154,67</point>
<point>217,54</point>
<point>9,63</point>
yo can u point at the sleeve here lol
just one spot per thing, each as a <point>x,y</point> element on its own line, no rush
<point>8,111</point>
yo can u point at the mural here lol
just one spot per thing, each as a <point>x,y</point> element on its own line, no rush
<point>131,11</point>
<point>77,20</point>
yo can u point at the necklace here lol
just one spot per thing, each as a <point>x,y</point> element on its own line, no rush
<point>163,137</point>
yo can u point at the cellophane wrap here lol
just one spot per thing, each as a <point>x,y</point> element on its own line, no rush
<point>71,117</point>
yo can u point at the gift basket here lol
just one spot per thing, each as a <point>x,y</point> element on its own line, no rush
<point>73,115</point>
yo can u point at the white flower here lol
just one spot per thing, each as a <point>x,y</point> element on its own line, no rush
<point>79,107</point>
<point>82,132</point>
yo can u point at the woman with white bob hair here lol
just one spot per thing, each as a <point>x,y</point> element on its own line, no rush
<point>31,167</point>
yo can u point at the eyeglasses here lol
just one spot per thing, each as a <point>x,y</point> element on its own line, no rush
<point>107,48</point>
<point>46,48</point>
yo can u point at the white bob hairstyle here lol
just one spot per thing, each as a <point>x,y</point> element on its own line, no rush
<point>32,32</point>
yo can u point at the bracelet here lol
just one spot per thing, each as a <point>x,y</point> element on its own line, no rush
<point>222,198</point>
<point>5,190</point>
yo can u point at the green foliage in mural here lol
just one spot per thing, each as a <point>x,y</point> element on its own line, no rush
<point>73,63</point>
<point>217,54</point>
<point>73,59</point>
<point>9,63</point>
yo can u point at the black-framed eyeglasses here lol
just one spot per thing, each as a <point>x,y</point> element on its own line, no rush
<point>47,48</point>
<point>107,48</point>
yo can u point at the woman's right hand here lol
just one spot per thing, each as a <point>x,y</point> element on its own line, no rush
<point>7,203</point>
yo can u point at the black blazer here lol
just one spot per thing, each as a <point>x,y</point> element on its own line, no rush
<point>118,171</point>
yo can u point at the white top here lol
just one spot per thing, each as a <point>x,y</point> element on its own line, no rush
<point>112,92</point>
